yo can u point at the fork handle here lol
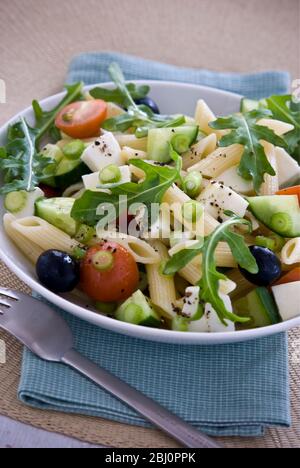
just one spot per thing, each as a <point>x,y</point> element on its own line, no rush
<point>159,416</point>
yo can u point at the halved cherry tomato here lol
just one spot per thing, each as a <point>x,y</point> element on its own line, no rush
<point>109,273</point>
<point>82,119</point>
<point>50,192</point>
<point>290,191</point>
<point>290,277</point>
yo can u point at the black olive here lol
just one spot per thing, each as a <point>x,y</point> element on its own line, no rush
<point>58,271</point>
<point>146,101</point>
<point>268,264</point>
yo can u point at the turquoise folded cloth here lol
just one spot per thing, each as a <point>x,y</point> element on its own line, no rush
<point>233,390</point>
<point>92,68</point>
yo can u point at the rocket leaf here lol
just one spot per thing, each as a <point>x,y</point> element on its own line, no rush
<point>245,131</point>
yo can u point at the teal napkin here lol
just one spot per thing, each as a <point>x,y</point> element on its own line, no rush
<point>233,390</point>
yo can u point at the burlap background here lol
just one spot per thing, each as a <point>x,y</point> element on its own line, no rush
<point>38,39</point>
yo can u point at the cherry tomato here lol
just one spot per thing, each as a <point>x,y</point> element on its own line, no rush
<point>291,191</point>
<point>50,192</point>
<point>109,273</point>
<point>290,277</point>
<point>82,119</point>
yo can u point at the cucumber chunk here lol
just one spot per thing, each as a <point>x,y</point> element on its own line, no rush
<point>279,213</point>
<point>159,139</point>
<point>68,172</point>
<point>137,310</point>
<point>260,306</point>
<point>248,105</point>
<point>57,211</point>
<point>21,203</point>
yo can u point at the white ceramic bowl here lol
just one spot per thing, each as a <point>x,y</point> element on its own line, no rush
<point>172,98</point>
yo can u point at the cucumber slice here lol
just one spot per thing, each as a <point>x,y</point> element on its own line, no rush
<point>137,310</point>
<point>248,105</point>
<point>159,139</point>
<point>57,211</point>
<point>15,202</point>
<point>280,213</point>
<point>260,306</point>
<point>68,172</point>
<point>21,203</point>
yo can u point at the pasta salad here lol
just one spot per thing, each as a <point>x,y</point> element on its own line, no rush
<point>184,223</point>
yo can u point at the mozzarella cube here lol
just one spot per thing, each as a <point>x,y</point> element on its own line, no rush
<point>191,301</point>
<point>102,152</point>
<point>218,198</point>
<point>92,181</point>
<point>287,168</point>
<point>287,298</point>
<point>210,322</point>
<point>232,179</point>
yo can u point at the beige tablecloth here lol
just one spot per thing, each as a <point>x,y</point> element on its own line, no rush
<point>38,39</point>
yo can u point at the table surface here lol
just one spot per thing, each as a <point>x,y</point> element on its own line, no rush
<point>14,434</point>
<point>38,39</point>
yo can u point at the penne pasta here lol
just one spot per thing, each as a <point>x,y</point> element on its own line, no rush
<point>219,161</point>
<point>25,245</point>
<point>44,235</point>
<point>176,198</point>
<point>162,288</point>
<point>290,253</point>
<point>125,139</point>
<point>223,254</point>
<point>203,116</point>
<point>271,183</point>
<point>191,273</point>
<point>199,151</point>
<point>131,153</point>
<point>278,127</point>
<point>141,251</point>
<point>73,190</point>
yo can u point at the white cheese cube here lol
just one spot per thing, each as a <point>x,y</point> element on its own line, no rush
<point>287,168</point>
<point>91,181</point>
<point>191,301</point>
<point>232,179</point>
<point>102,152</point>
<point>218,198</point>
<point>287,298</point>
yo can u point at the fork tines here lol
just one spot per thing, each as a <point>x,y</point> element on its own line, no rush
<point>8,293</point>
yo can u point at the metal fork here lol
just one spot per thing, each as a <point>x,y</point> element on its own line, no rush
<point>47,335</point>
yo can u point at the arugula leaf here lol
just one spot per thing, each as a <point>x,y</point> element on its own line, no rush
<point>140,118</point>
<point>116,96</point>
<point>245,131</point>
<point>281,108</point>
<point>182,258</point>
<point>209,283</point>
<point>21,163</point>
<point>151,190</point>
<point>44,120</point>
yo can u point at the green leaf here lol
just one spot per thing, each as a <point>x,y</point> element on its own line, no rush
<point>116,96</point>
<point>181,259</point>
<point>280,106</point>
<point>20,162</point>
<point>210,281</point>
<point>44,120</point>
<point>140,118</point>
<point>245,131</point>
<point>157,181</point>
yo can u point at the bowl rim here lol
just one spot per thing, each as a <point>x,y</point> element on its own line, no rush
<point>152,334</point>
